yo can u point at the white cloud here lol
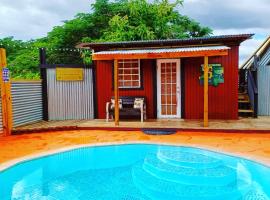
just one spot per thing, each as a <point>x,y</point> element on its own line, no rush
<point>230,13</point>
<point>248,46</point>
<point>27,19</point>
<point>233,17</point>
<point>30,19</point>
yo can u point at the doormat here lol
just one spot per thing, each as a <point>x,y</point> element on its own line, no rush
<point>159,131</point>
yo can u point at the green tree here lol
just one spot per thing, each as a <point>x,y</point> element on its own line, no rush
<point>158,20</point>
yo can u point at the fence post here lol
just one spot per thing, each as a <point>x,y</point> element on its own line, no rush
<point>5,94</point>
<point>43,75</point>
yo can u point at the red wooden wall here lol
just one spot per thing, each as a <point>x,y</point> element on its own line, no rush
<point>223,99</point>
<point>105,91</point>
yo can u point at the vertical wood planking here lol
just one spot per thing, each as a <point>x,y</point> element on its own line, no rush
<point>223,99</point>
<point>104,86</point>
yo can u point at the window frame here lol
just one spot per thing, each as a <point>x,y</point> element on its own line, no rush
<point>141,83</point>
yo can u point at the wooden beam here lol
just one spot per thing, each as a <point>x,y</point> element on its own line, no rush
<point>205,108</point>
<point>116,94</point>
<point>97,56</point>
<point>5,96</point>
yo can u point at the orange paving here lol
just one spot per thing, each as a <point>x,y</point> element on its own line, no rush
<point>15,148</point>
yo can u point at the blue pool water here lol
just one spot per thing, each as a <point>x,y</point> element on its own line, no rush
<point>136,172</point>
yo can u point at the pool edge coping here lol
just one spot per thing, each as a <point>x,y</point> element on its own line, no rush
<point>13,162</point>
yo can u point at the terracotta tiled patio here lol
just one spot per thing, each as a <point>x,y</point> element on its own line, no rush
<point>20,147</point>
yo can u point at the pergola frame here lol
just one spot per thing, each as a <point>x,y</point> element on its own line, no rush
<point>206,54</point>
<point>5,88</point>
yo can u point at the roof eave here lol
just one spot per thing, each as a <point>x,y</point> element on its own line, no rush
<point>225,39</point>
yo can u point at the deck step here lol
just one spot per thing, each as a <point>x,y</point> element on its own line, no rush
<point>243,101</point>
<point>242,93</point>
<point>245,111</point>
<point>242,98</point>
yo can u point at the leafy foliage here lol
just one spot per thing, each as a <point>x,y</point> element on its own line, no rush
<point>108,21</point>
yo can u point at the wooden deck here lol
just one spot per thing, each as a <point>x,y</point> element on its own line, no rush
<point>49,125</point>
<point>261,124</point>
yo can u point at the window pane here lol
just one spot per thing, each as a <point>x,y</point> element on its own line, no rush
<point>169,110</point>
<point>173,88</point>
<point>174,77</point>
<point>162,68</point>
<point>169,89</point>
<point>168,69</point>
<point>121,84</point>
<point>174,110</point>
<point>127,83</point>
<point>163,110</point>
<point>136,83</point>
<point>168,78</point>
<point>135,70</point>
<point>135,77</point>
<point>127,77</point>
<point>163,99</point>
<point>120,71</point>
<point>169,100</point>
<point>121,77</point>
<point>163,79</point>
<point>174,99</point>
<point>120,65</point>
<point>163,89</point>
<point>128,65</point>
<point>129,73</point>
<point>173,67</point>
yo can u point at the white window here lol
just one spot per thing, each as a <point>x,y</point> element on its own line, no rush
<point>129,73</point>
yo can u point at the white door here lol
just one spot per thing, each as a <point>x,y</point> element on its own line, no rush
<point>168,88</point>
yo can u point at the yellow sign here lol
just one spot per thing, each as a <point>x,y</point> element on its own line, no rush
<point>69,74</point>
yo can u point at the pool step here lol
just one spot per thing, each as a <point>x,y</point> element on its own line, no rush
<point>160,189</point>
<point>188,159</point>
<point>255,194</point>
<point>218,176</point>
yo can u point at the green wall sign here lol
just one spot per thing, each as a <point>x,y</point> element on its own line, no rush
<point>215,75</point>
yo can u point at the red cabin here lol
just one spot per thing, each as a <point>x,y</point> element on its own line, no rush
<point>172,75</point>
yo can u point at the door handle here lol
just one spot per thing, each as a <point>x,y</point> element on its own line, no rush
<point>178,89</point>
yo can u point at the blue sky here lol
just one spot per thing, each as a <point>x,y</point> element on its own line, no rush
<point>30,19</point>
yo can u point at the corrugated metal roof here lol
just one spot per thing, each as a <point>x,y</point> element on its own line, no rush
<point>259,52</point>
<point>168,42</point>
<point>163,50</point>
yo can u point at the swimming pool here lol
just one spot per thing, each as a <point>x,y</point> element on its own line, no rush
<point>136,172</point>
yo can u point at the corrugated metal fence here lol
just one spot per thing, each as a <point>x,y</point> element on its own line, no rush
<point>26,102</point>
<point>264,85</point>
<point>70,99</point>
